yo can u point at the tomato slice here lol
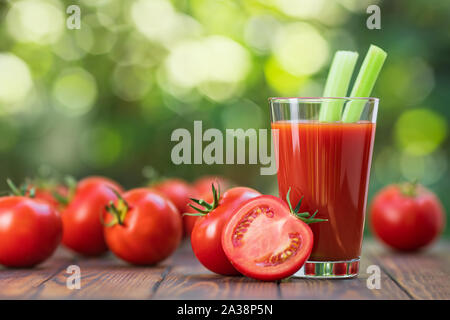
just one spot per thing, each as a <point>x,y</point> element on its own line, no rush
<point>265,241</point>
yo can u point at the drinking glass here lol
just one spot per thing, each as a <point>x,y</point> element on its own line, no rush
<point>327,165</point>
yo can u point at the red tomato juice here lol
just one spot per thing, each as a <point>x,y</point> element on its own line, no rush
<point>328,164</point>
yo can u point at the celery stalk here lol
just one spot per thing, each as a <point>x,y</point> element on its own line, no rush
<point>339,77</point>
<point>365,81</point>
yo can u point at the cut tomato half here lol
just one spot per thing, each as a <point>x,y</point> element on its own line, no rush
<point>265,241</point>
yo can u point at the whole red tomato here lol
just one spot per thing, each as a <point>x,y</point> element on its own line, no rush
<point>206,237</point>
<point>189,221</point>
<point>48,194</point>
<point>97,180</point>
<point>407,216</point>
<point>30,231</point>
<point>83,230</point>
<point>142,227</point>
<point>203,184</point>
<point>176,190</point>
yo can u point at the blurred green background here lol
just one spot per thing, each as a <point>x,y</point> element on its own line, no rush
<point>104,99</point>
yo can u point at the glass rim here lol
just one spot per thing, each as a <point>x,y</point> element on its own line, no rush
<point>321,99</point>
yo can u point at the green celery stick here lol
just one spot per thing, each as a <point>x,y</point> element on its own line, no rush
<point>339,77</point>
<point>365,81</point>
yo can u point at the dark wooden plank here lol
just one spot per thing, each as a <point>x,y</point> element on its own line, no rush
<point>421,275</point>
<point>356,288</point>
<point>188,279</point>
<point>27,283</point>
<point>105,278</point>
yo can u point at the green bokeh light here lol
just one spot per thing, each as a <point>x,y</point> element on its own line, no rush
<point>15,81</point>
<point>37,21</point>
<point>285,83</point>
<point>74,91</point>
<point>420,131</point>
<point>101,146</point>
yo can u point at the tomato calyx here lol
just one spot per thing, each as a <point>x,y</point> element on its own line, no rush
<point>206,206</point>
<point>409,189</point>
<point>71,184</point>
<point>152,176</point>
<point>21,191</point>
<point>118,211</point>
<point>306,217</point>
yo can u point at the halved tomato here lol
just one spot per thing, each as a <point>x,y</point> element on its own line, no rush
<point>267,240</point>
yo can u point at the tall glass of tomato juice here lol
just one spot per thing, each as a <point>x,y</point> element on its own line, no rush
<point>328,165</point>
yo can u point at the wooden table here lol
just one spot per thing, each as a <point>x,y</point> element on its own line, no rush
<point>424,275</point>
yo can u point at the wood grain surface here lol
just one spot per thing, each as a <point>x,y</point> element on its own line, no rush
<point>423,275</point>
